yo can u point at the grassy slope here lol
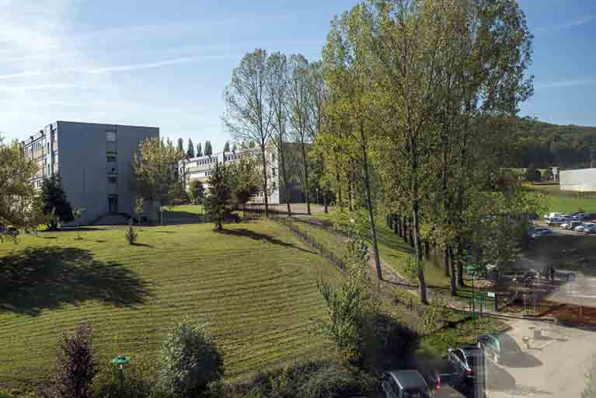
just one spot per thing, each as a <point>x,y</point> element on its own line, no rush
<point>257,286</point>
<point>564,201</point>
<point>394,251</point>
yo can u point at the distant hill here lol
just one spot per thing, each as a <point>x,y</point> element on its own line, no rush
<point>544,144</point>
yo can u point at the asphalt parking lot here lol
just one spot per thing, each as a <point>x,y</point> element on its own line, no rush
<point>554,366</point>
<point>558,230</point>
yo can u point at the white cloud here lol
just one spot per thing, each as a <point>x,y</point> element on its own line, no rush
<point>566,83</point>
<point>580,21</point>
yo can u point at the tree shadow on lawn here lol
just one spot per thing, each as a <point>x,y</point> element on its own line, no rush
<point>262,237</point>
<point>48,278</point>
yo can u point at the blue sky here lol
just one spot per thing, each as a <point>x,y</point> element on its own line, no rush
<point>165,63</point>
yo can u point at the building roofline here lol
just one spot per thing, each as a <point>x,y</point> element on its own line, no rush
<point>106,124</point>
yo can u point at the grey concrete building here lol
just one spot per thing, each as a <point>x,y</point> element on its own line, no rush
<point>94,161</point>
<point>583,180</point>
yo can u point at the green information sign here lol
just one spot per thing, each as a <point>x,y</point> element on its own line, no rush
<point>120,360</point>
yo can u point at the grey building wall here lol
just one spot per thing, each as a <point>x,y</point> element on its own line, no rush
<point>88,178</point>
<point>583,180</point>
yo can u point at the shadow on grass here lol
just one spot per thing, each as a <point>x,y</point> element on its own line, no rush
<point>262,237</point>
<point>49,278</point>
<point>143,245</point>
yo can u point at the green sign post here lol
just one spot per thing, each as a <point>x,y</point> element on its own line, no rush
<point>120,361</point>
<point>471,270</point>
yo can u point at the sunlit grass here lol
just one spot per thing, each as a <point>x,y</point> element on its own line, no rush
<point>255,284</point>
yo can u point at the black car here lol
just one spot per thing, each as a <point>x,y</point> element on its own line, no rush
<point>501,348</point>
<point>405,384</point>
<point>470,359</point>
<point>444,374</point>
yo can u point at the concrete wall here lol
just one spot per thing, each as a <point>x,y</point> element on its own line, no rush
<point>84,168</point>
<point>583,180</point>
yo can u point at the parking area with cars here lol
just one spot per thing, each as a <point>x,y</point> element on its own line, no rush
<point>555,223</point>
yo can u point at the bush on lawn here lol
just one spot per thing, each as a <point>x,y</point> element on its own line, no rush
<point>131,234</point>
<point>190,359</point>
<point>75,366</point>
<point>139,382</point>
<point>315,379</point>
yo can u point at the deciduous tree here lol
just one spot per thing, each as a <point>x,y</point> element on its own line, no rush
<point>17,193</point>
<point>248,116</point>
<point>155,167</point>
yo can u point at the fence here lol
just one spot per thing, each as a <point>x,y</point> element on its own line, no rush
<point>311,241</point>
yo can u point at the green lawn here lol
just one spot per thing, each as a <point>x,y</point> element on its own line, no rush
<point>256,284</point>
<point>566,201</point>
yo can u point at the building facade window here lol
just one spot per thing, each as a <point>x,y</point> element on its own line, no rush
<point>110,136</point>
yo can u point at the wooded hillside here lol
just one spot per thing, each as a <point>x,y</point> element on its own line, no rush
<point>544,144</point>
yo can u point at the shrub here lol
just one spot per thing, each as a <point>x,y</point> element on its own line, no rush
<point>75,366</point>
<point>347,305</point>
<point>335,380</point>
<point>191,359</point>
<point>312,379</point>
<point>410,268</point>
<point>435,315</point>
<point>139,382</point>
<point>131,234</point>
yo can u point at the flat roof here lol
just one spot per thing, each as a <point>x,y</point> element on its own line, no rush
<point>105,124</point>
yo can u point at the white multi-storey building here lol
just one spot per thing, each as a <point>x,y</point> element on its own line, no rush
<point>201,168</point>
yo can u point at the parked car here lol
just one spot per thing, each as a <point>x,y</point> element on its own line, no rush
<point>541,232</point>
<point>470,359</point>
<point>578,215</point>
<point>589,228</point>
<point>579,228</point>
<point>444,373</point>
<point>405,384</point>
<point>552,215</point>
<point>571,225</point>
<point>588,216</point>
<point>500,348</point>
<point>555,221</point>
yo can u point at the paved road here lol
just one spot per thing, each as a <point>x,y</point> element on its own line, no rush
<point>553,366</point>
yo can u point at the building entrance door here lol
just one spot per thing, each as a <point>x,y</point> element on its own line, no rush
<point>113,203</point>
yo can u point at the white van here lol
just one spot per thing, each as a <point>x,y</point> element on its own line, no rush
<point>548,216</point>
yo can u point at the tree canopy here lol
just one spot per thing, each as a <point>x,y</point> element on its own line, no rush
<point>17,193</point>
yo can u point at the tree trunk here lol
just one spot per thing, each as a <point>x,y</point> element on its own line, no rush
<point>406,227</point>
<point>416,219</point>
<point>306,182</point>
<point>369,205</point>
<point>395,224</point>
<point>460,266</point>
<point>325,205</point>
<point>452,281</point>
<point>265,193</point>
<point>446,262</point>
<point>427,249</point>
<point>284,171</point>
<point>350,193</point>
